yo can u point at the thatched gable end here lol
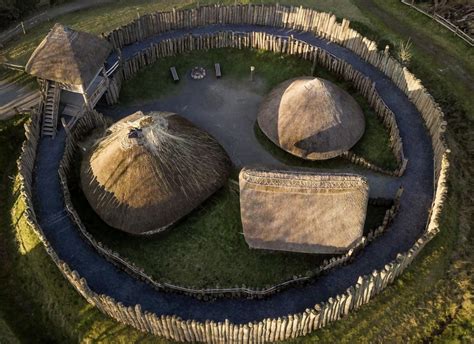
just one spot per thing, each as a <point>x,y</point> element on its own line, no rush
<point>311,118</point>
<point>149,171</point>
<point>302,211</point>
<point>68,56</point>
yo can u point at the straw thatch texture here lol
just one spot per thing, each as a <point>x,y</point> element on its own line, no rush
<point>301,211</point>
<point>311,118</point>
<point>149,171</point>
<point>68,56</point>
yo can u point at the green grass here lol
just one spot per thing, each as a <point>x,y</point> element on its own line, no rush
<point>32,286</point>
<point>208,248</point>
<point>6,334</point>
<point>17,77</point>
<point>155,81</point>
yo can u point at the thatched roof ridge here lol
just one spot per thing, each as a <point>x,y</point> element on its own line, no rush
<point>311,118</point>
<point>302,178</point>
<point>148,171</point>
<point>302,211</point>
<point>68,56</point>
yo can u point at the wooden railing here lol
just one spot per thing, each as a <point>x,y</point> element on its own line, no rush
<point>13,66</point>
<point>112,69</point>
<point>98,92</point>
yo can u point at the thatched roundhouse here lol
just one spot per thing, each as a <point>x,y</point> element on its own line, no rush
<point>301,211</point>
<point>148,171</point>
<point>311,118</point>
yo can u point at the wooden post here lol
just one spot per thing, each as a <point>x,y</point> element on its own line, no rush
<point>252,73</point>
<point>23,28</point>
<point>313,67</point>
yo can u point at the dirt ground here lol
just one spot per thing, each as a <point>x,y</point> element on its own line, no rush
<point>224,108</point>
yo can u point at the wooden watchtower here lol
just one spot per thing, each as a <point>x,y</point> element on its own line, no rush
<point>70,67</point>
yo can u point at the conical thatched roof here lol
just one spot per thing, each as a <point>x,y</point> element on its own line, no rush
<point>149,171</point>
<point>301,211</point>
<point>68,56</point>
<point>311,118</point>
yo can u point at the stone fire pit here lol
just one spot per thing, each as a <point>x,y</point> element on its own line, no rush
<point>198,73</point>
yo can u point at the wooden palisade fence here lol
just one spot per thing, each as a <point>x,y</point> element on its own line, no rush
<point>293,325</point>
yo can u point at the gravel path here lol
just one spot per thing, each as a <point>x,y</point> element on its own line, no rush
<point>105,278</point>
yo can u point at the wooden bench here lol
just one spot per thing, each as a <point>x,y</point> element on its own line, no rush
<point>217,67</point>
<point>174,73</point>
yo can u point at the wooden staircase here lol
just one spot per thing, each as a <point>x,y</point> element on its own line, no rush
<point>50,109</point>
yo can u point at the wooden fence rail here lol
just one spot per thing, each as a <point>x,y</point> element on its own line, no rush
<point>265,330</point>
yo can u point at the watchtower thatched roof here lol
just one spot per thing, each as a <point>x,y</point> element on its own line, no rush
<point>68,56</point>
<point>148,171</point>
<point>311,118</point>
<point>302,211</point>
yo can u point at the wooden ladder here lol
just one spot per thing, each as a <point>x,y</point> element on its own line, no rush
<point>50,110</point>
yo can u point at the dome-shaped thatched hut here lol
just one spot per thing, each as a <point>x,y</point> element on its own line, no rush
<point>148,171</point>
<point>311,118</point>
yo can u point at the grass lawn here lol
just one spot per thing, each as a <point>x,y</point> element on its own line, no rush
<point>430,302</point>
<point>155,81</point>
<point>17,77</point>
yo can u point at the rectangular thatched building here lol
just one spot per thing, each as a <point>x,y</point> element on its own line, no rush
<point>301,211</point>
